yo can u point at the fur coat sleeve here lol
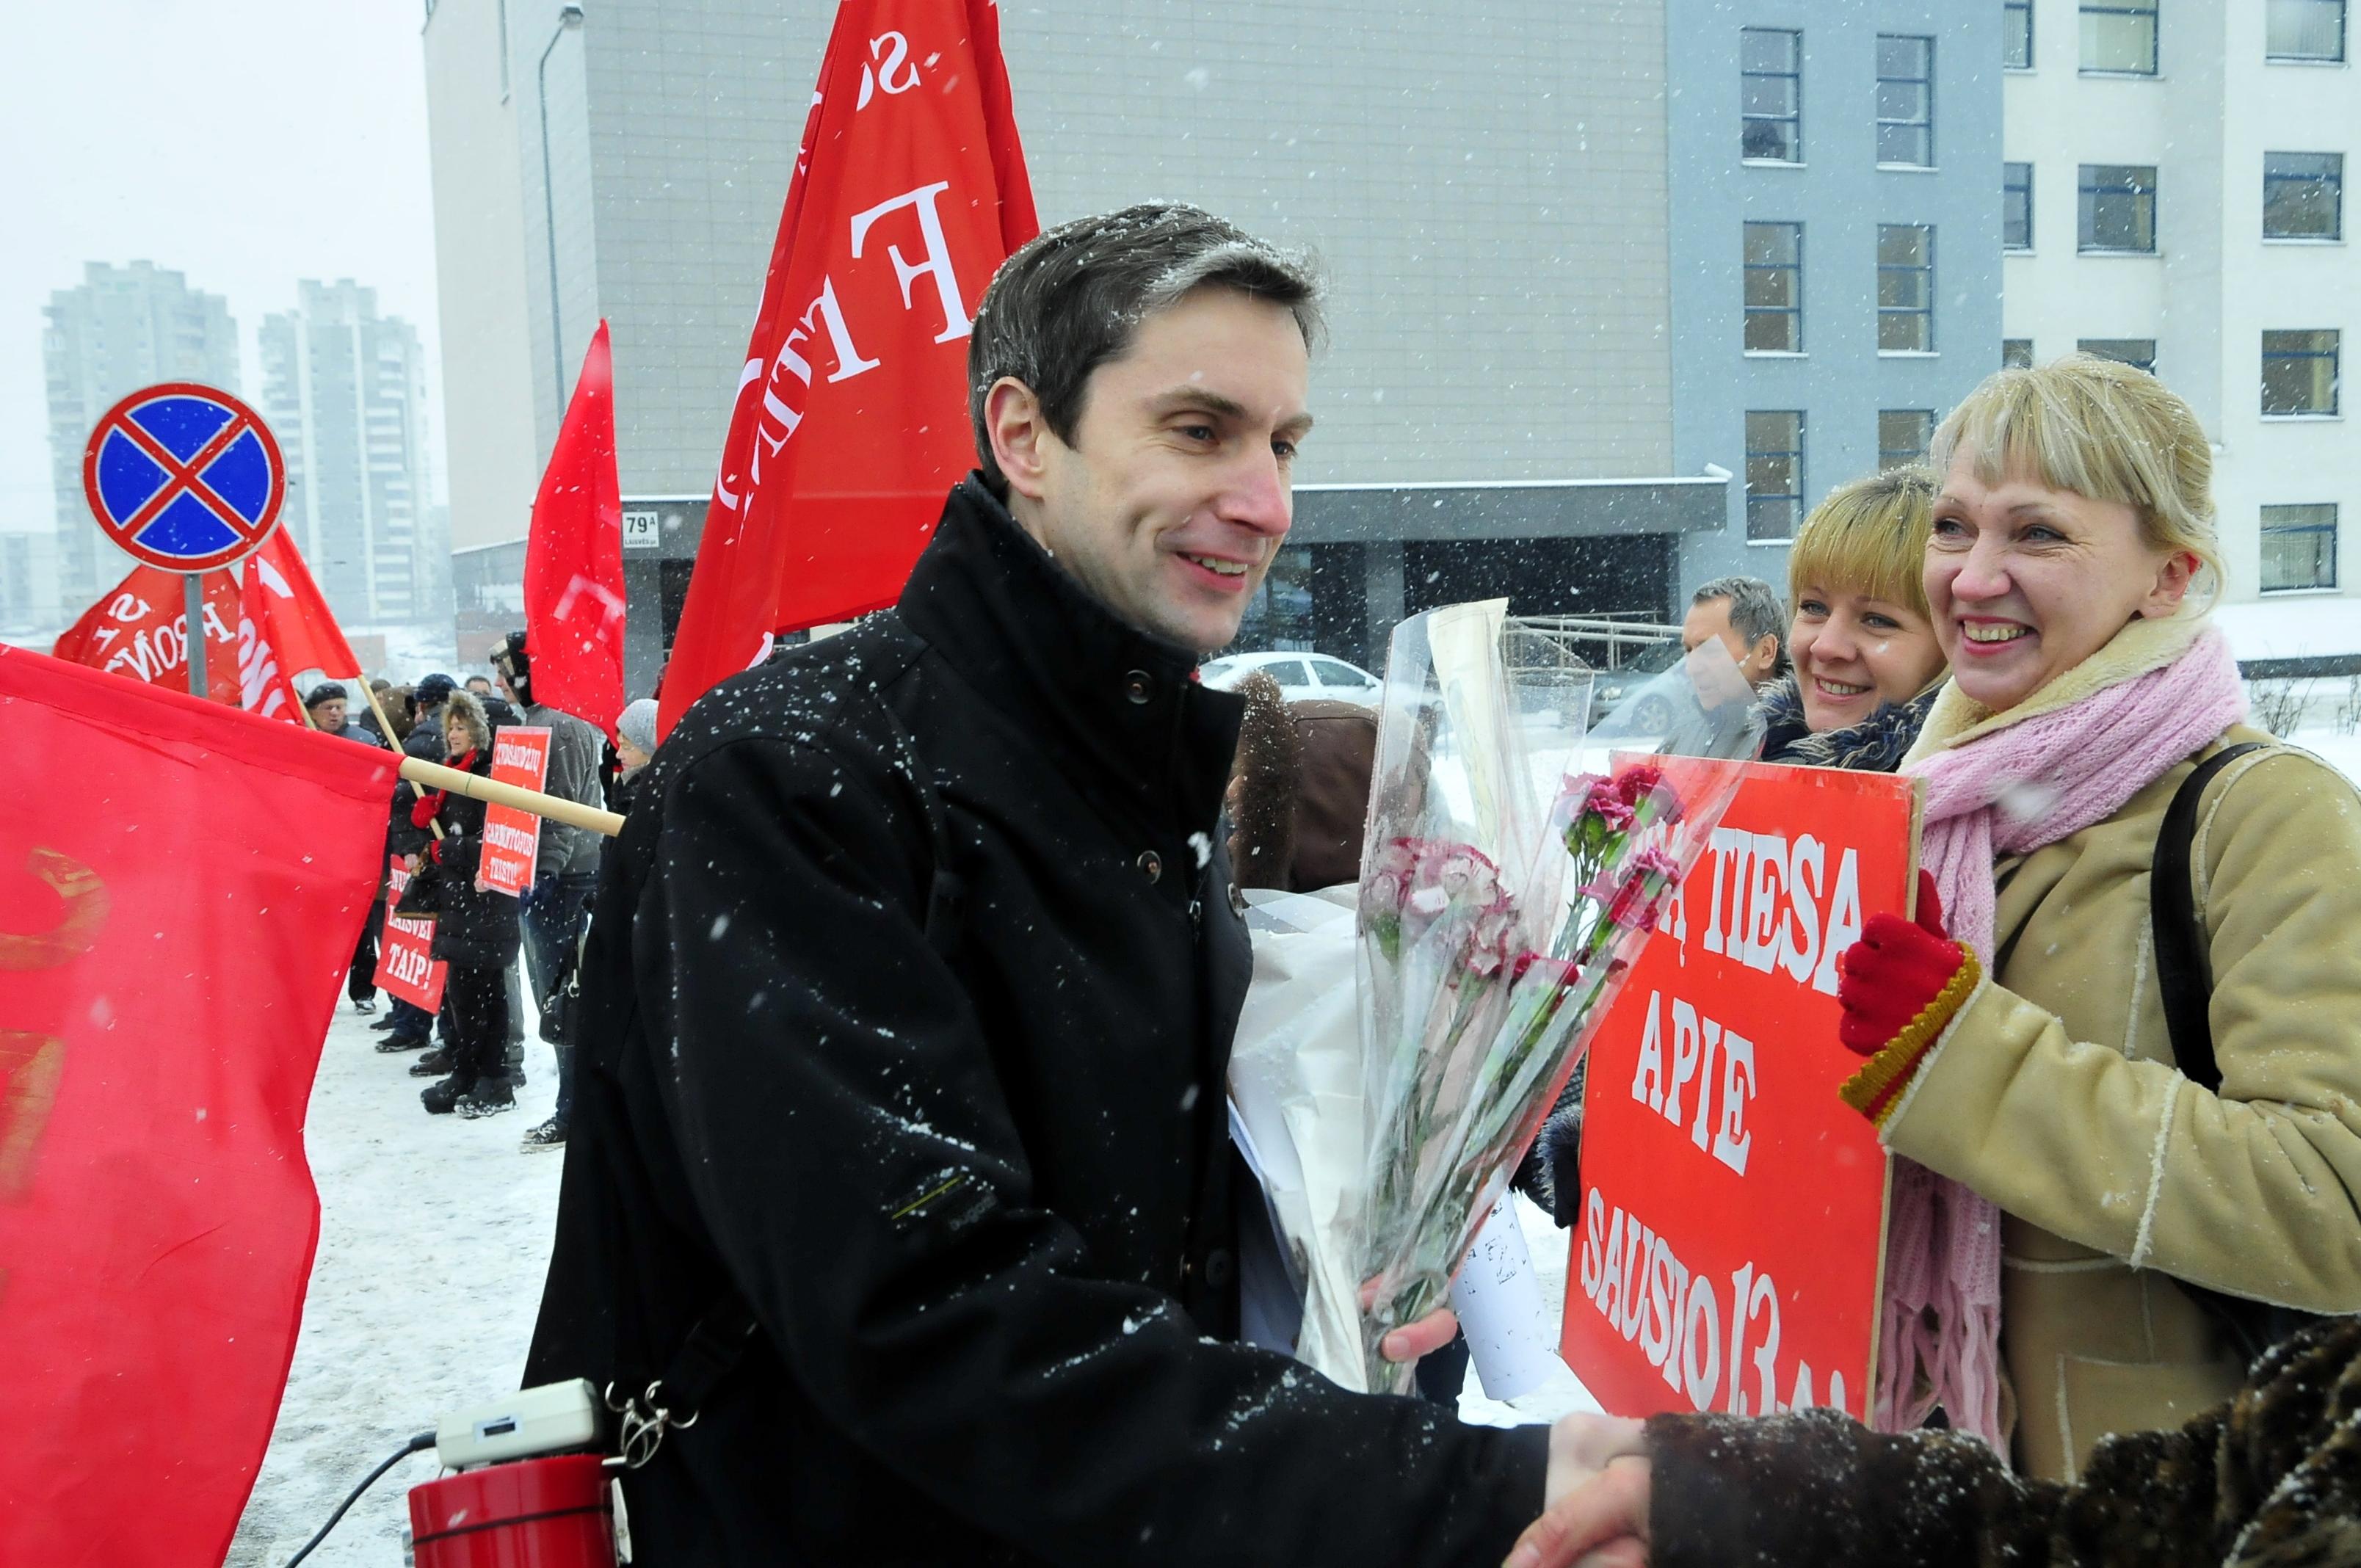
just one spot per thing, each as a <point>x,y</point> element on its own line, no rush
<point>2273,1478</point>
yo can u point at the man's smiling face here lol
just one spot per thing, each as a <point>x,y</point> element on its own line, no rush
<point>1171,499</point>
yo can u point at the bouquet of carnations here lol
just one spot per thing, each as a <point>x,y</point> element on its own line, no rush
<point>1511,874</point>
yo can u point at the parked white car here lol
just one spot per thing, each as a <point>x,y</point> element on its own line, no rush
<point>1302,677</point>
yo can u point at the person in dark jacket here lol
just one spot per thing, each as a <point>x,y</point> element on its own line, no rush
<point>911,986</point>
<point>410,1027</point>
<point>474,929</point>
<point>556,908</point>
<point>2271,1477</point>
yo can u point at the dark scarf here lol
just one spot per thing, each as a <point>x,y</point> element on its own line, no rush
<point>1876,745</point>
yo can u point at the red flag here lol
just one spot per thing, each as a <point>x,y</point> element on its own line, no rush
<point>263,686</point>
<point>140,630</point>
<point>851,422</point>
<point>175,930</point>
<point>574,556</point>
<point>294,615</point>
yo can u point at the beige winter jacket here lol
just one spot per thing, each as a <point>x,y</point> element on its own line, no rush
<point>2053,1094</point>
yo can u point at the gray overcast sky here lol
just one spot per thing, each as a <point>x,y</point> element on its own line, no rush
<point>245,143</point>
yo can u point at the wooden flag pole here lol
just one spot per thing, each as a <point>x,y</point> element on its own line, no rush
<point>574,814</point>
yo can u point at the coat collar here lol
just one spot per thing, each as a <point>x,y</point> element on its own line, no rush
<point>1033,642</point>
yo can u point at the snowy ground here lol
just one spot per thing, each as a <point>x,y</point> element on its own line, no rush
<point>434,1237</point>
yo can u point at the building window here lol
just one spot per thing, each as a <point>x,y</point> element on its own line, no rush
<point>2017,206</point>
<point>1775,288</point>
<point>1905,289</point>
<point>2016,354</point>
<point>1774,473</point>
<point>1903,435</point>
<point>2298,547</point>
<point>2119,37</point>
<point>1905,101</point>
<point>2118,208</point>
<point>2300,373</point>
<point>2016,35</point>
<point>2304,29</point>
<point>2139,353</point>
<point>2304,195</point>
<point>1771,87</point>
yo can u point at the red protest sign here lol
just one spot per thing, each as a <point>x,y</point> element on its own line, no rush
<point>513,838</point>
<point>405,956</point>
<point>1733,1206</point>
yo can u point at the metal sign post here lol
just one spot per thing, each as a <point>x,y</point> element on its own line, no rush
<point>196,647</point>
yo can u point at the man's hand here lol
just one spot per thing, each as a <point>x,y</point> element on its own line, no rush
<point>1595,1512</point>
<point>1413,1340</point>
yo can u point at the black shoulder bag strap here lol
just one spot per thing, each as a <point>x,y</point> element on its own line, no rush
<point>2184,974</point>
<point>719,1339</point>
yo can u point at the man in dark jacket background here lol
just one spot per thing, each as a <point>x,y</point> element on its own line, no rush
<point>557,904</point>
<point>911,988</point>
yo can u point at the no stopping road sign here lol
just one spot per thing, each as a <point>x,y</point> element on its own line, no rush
<point>183,476</point>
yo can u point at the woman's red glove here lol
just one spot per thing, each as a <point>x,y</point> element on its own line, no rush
<point>425,808</point>
<point>1901,984</point>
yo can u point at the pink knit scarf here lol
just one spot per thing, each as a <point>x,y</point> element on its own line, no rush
<point>2011,790</point>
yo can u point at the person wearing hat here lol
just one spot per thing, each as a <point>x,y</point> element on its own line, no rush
<point>635,745</point>
<point>557,906</point>
<point>329,705</point>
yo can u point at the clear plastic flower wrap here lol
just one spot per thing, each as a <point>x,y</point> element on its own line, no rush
<point>1515,863</point>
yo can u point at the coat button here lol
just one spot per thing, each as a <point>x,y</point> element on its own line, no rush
<point>1150,864</point>
<point>1138,687</point>
<point>1219,1269</point>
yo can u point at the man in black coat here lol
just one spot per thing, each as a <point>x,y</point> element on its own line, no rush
<point>908,1006</point>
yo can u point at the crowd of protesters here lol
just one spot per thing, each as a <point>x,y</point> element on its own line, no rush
<point>472,1046</point>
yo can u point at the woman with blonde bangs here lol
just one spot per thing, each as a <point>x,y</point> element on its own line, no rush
<point>2086,1197</point>
<point>1867,663</point>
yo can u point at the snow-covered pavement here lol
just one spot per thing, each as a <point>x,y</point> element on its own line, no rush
<point>434,1235</point>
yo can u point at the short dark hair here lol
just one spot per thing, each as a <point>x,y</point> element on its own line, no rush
<point>1071,299</point>
<point>1755,611</point>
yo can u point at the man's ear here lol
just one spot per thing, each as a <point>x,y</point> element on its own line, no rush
<point>1766,648</point>
<point>1012,417</point>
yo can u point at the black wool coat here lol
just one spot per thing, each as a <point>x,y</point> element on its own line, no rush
<point>471,928</point>
<point>975,1187</point>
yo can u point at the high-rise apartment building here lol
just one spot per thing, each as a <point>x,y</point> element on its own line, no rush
<point>121,329</point>
<point>2173,196</point>
<point>28,584</point>
<point>1551,351</point>
<point>345,391</point>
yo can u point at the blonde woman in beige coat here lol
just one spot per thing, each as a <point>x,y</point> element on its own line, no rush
<point>2062,1185</point>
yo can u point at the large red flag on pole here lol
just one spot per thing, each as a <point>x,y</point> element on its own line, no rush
<point>850,423</point>
<point>139,628</point>
<point>175,930</point>
<point>574,556</point>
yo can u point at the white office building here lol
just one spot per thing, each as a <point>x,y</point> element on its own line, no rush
<point>2173,195</point>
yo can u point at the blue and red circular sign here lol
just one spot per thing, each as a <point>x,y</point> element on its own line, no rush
<point>183,476</point>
